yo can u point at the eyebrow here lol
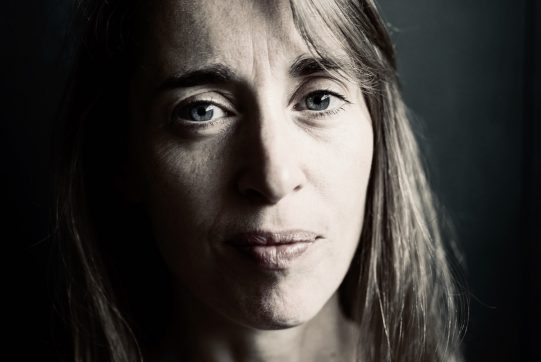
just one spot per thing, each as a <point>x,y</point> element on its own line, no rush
<point>220,73</point>
<point>304,66</point>
<point>211,74</point>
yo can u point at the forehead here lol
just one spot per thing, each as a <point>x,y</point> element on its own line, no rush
<point>241,33</point>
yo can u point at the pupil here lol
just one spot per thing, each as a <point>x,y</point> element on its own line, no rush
<point>318,102</point>
<point>202,113</point>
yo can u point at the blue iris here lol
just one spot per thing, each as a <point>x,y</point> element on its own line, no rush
<point>201,112</point>
<point>318,101</point>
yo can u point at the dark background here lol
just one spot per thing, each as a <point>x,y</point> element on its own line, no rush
<point>471,76</point>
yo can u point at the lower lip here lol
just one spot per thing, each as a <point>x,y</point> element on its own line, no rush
<point>275,257</point>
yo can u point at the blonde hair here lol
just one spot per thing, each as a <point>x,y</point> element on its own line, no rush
<point>399,288</point>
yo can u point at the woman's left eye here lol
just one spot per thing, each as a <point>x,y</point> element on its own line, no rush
<point>320,101</point>
<point>199,112</point>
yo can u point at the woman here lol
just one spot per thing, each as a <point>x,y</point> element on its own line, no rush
<point>239,181</point>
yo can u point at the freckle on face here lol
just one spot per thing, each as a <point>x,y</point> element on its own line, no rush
<point>266,163</point>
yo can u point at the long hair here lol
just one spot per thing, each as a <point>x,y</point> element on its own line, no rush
<point>400,288</point>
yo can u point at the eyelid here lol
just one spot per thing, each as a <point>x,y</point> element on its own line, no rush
<point>212,97</point>
<point>314,84</point>
<point>201,98</point>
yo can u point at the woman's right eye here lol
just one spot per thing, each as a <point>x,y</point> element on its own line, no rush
<point>199,112</point>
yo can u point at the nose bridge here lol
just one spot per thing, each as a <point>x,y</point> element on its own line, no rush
<point>273,138</point>
<point>274,169</point>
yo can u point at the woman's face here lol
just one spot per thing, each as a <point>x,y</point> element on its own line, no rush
<point>252,159</point>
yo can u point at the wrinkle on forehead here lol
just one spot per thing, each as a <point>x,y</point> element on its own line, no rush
<point>218,31</point>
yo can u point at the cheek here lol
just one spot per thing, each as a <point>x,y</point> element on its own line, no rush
<point>190,198</point>
<point>344,171</point>
<point>183,201</point>
<point>182,180</point>
<point>356,169</point>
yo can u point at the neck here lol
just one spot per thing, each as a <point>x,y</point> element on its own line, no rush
<point>199,334</point>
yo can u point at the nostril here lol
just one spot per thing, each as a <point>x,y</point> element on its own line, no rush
<point>265,195</point>
<point>257,197</point>
<point>252,194</point>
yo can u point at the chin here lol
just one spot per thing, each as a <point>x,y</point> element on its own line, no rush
<point>273,322</point>
<point>276,321</point>
<point>279,311</point>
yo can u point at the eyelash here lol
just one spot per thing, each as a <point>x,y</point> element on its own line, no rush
<point>202,125</point>
<point>330,112</point>
<point>192,103</point>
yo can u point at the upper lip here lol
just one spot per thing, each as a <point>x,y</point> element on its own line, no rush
<point>269,238</point>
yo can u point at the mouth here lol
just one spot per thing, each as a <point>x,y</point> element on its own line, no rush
<point>273,250</point>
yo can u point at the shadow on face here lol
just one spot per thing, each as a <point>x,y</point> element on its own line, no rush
<point>243,140</point>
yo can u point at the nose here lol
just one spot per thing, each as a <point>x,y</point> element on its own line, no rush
<point>273,168</point>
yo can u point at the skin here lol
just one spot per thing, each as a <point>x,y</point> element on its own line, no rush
<point>264,162</point>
